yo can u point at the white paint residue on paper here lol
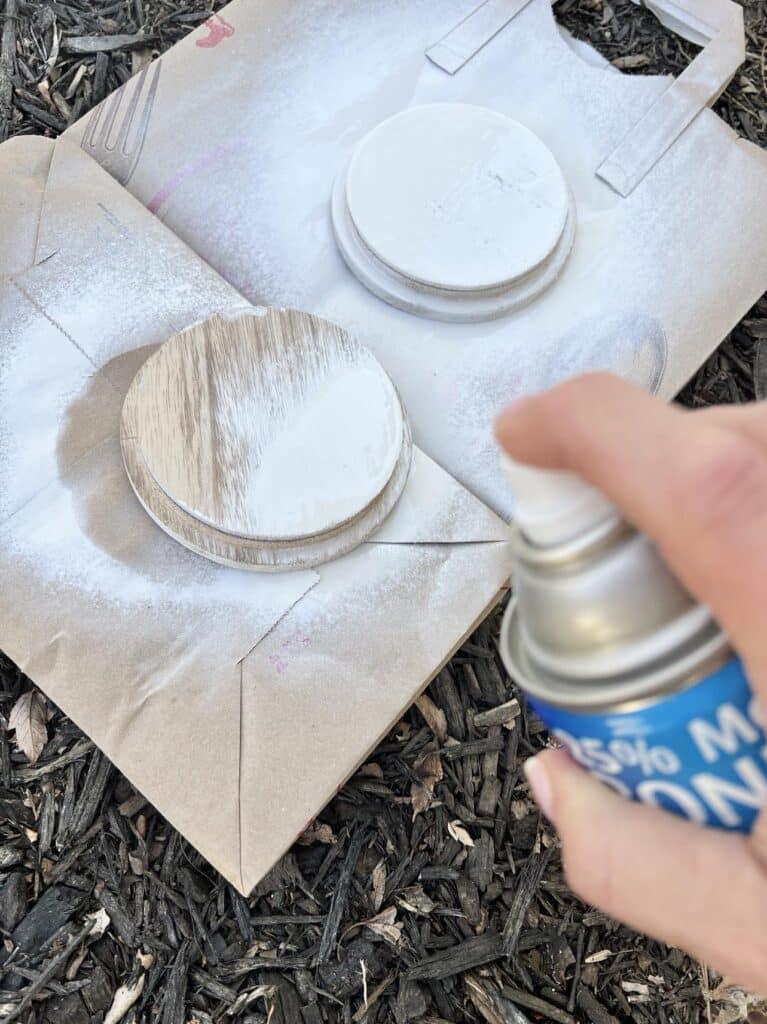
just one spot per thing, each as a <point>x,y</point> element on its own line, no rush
<point>436,509</point>
<point>41,373</point>
<point>327,72</point>
<point>87,535</point>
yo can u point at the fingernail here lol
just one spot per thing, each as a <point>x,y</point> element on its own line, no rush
<point>538,779</point>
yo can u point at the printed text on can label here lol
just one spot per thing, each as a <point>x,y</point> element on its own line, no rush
<point>701,753</point>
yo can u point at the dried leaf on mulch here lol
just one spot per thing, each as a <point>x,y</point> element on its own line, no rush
<point>29,720</point>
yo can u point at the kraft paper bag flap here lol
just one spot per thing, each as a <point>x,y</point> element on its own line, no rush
<point>42,376</point>
<point>682,256</point>
<point>116,278</point>
<point>341,667</point>
<point>118,624</point>
<point>24,162</point>
<point>140,641</point>
<point>113,282</point>
<point>353,653</point>
<point>137,639</point>
<point>70,175</point>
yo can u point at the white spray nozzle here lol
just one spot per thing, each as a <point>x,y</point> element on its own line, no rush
<point>553,506</point>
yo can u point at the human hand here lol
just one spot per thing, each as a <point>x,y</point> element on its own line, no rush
<point>696,482</point>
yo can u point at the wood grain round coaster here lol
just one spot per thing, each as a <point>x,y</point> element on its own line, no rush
<point>270,441</point>
<point>454,211</point>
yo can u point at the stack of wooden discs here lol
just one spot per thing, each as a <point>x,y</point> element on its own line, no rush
<point>454,212</point>
<point>272,441</point>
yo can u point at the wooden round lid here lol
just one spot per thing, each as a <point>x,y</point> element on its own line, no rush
<point>456,196</point>
<point>276,426</point>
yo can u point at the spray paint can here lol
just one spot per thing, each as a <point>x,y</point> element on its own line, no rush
<point>625,667</point>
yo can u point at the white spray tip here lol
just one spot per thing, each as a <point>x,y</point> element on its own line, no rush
<point>553,506</point>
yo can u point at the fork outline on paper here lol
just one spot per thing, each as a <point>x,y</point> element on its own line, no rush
<point>115,148</point>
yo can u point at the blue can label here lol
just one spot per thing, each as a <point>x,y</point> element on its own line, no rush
<point>700,753</point>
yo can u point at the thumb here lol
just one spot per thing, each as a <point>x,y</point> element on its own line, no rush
<point>702,889</point>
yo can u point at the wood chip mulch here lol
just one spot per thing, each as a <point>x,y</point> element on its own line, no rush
<point>430,890</point>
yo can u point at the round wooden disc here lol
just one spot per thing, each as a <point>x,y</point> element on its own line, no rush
<point>442,303</point>
<point>277,427</point>
<point>260,556</point>
<point>457,197</point>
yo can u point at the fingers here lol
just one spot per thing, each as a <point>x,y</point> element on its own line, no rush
<point>695,482</point>
<point>546,447</point>
<point>587,424</point>
<point>701,889</point>
<point>750,420</point>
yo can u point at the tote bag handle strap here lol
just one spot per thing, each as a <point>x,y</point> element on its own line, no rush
<point>717,25</point>
<point>468,37</point>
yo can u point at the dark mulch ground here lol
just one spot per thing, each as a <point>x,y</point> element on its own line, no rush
<point>108,915</point>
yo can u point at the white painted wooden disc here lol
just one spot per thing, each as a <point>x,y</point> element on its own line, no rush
<point>457,196</point>
<point>274,427</point>
<point>246,553</point>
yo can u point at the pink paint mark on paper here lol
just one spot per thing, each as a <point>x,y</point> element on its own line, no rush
<point>191,170</point>
<point>296,641</point>
<point>279,662</point>
<point>289,645</point>
<point>218,29</point>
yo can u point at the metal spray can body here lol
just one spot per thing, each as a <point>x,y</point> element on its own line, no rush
<point>634,676</point>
